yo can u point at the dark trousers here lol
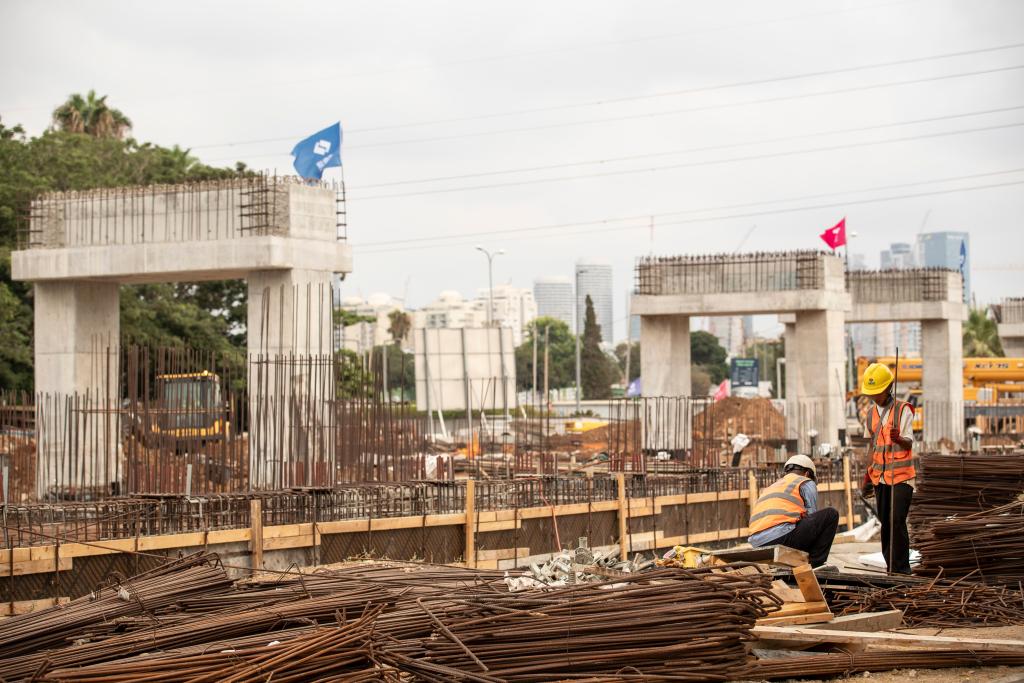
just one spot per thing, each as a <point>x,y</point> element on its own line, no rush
<point>814,534</point>
<point>894,502</point>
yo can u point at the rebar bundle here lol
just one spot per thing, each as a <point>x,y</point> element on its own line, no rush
<point>26,635</point>
<point>988,546</point>
<point>669,622</point>
<point>964,484</point>
<point>936,604</point>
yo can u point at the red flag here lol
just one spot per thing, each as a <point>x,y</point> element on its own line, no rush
<point>836,235</point>
<point>723,390</point>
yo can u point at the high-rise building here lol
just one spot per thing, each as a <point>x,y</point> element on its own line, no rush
<point>594,279</point>
<point>946,250</point>
<point>513,308</point>
<point>898,255</point>
<point>553,296</point>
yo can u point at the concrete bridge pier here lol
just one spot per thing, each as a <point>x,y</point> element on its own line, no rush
<point>942,380</point>
<point>665,361</point>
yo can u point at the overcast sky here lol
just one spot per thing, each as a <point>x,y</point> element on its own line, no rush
<point>591,116</point>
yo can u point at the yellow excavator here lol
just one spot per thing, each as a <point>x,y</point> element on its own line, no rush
<point>190,410</point>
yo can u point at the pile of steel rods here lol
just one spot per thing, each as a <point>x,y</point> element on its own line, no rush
<point>390,622</point>
<point>964,484</point>
<point>986,546</point>
<point>820,665</point>
<point>669,622</point>
<point>937,604</point>
<point>26,634</point>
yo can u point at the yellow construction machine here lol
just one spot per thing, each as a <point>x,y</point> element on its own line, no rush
<point>986,382</point>
<point>190,410</point>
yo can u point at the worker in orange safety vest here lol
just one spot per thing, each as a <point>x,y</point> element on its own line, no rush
<point>786,513</point>
<point>891,472</point>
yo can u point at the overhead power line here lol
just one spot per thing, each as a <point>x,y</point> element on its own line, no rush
<point>648,96</point>
<point>706,209</point>
<point>688,150</point>
<point>692,164</point>
<point>658,114</point>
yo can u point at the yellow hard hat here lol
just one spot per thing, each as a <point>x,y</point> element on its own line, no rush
<point>876,379</point>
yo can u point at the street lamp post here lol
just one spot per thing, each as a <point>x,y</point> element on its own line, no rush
<point>576,308</point>
<point>490,280</point>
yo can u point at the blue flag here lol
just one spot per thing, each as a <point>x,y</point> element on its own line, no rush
<point>318,151</point>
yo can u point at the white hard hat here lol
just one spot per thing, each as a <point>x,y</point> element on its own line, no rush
<point>802,461</point>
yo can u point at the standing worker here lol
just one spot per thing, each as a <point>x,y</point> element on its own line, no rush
<point>891,473</point>
<point>787,513</point>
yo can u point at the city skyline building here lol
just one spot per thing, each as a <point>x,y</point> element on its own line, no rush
<point>946,249</point>
<point>554,298</point>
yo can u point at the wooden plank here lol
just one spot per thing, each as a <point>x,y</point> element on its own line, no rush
<point>256,533</point>
<point>866,621</point>
<point>286,530</point>
<point>36,567</point>
<point>794,619</point>
<point>792,608</point>
<point>219,536</point>
<point>751,491</point>
<point>808,583</point>
<point>94,548</point>
<point>469,549</point>
<point>504,525</point>
<point>284,542</point>
<point>884,638</point>
<point>166,541</point>
<point>26,606</point>
<point>768,554</point>
<point>623,514</point>
<point>786,592</point>
<point>848,488</point>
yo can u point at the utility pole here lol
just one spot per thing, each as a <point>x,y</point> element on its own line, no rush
<point>578,332</point>
<point>534,335</point>
<point>490,281</point>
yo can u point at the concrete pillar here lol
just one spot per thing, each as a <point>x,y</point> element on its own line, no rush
<point>942,380</point>
<point>820,376</point>
<point>290,350</point>
<point>77,330</point>
<point>665,355</point>
<point>290,312</point>
<point>665,372</point>
<point>792,371</point>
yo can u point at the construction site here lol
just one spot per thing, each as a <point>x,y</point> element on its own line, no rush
<point>169,516</point>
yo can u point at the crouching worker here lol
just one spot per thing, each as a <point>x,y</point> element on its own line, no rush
<point>787,513</point>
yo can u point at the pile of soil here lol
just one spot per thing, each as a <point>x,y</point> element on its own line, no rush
<point>755,417</point>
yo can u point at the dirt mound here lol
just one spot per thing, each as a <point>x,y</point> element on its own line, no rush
<point>755,417</point>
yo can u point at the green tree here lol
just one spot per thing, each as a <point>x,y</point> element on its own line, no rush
<point>706,352</point>
<point>401,370</point>
<point>561,355</point>
<point>83,151</point>
<point>344,317</point>
<point>634,359</point>
<point>400,326</point>
<point>597,371</point>
<point>981,336</point>
<point>92,116</point>
<point>352,375</point>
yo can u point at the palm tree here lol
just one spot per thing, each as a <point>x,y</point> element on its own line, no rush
<point>981,336</point>
<point>92,116</point>
<point>400,326</point>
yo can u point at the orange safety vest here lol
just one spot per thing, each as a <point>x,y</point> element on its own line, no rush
<point>779,503</point>
<point>890,464</point>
